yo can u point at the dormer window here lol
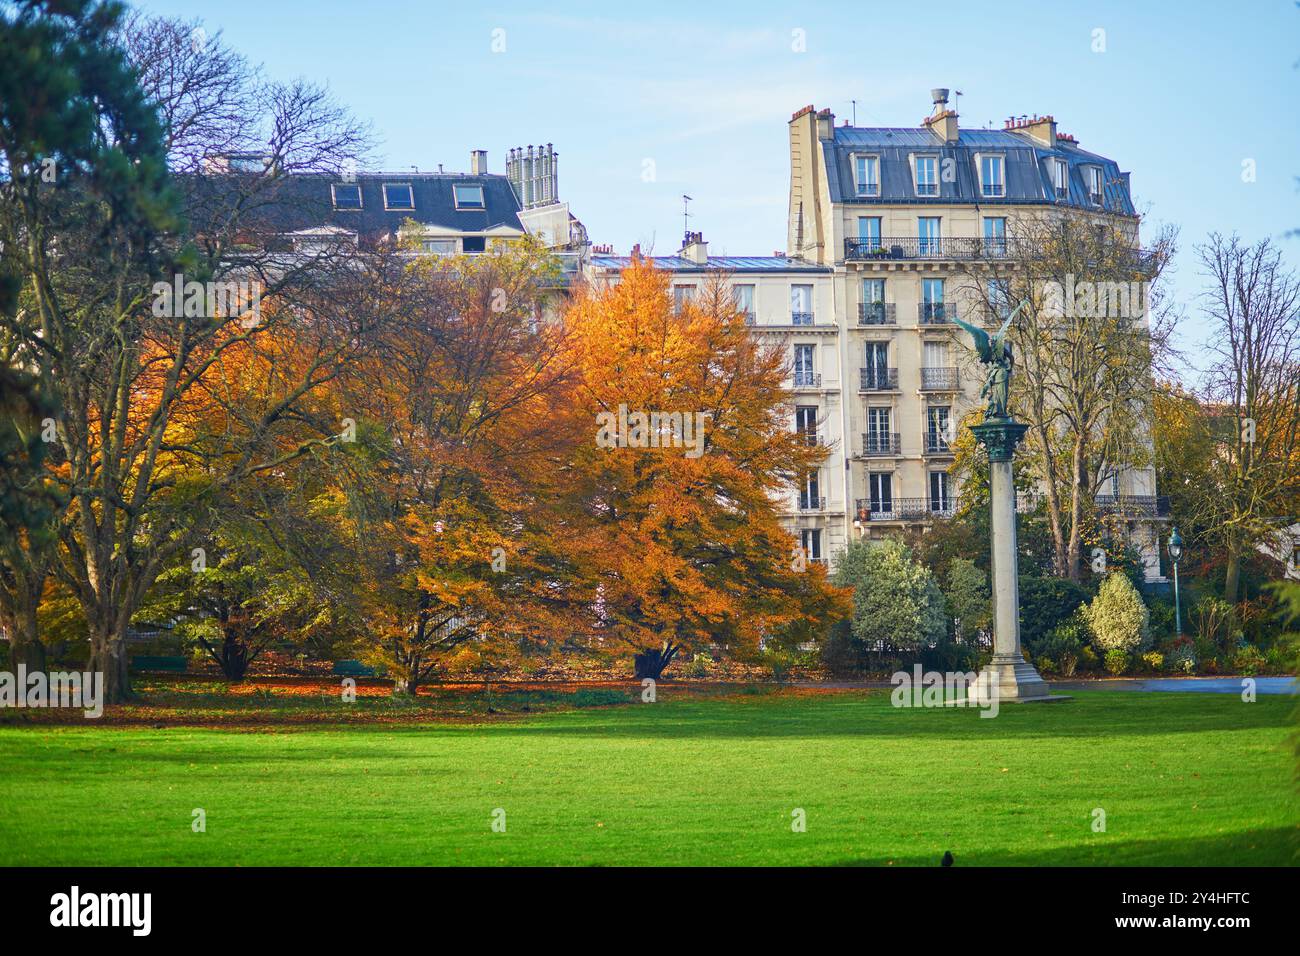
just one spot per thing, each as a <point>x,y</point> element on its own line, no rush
<point>1061,178</point>
<point>346,195</point>
<point>866,175</point>
<point>992,183</point>
<point>927,175</point>
<point>439,247</point>
<point>398,196</point>
<point>1095,191</point>
<point>468,197</point>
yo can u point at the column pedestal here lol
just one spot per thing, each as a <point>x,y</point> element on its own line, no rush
<point>1008,677</point>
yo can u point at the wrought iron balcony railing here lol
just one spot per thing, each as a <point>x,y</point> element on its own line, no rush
<point>878,379</point>
<point>804,379</point>
<point>811,436</point>
<point>801,318</point>
<point>812,502</point>
<point>993,190</point>
<point>913,247</point>
<point>940,379</point>
<point>936,313</point>
<point>936,443</point>
<point>877,313</point>
<point>881,443</point>
<point>904,509</point>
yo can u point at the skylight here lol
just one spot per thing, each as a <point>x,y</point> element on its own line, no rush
<point>468,197</point>
<point>398,196</point>
<point>347,195</point>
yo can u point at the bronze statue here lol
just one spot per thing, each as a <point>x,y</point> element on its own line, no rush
<point>995,352</point>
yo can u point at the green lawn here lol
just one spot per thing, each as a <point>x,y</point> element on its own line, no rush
<point>1192,779</point>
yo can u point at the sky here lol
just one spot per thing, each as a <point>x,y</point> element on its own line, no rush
<point>647,102</point>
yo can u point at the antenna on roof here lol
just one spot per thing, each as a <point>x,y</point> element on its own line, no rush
<point>415,169</point>
<point>956,106</point>
<point>686,217</point>
<point>855,111</point>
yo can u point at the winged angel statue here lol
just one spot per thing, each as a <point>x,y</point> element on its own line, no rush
<point>995,352</point>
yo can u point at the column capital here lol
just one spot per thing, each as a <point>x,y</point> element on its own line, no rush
<point>1000,436</point>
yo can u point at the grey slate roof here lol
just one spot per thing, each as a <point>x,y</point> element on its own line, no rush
<point>715,264</point>
<point>304,202</point>
<point>1028,179</point>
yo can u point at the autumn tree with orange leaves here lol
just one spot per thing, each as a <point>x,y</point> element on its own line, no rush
<point>465,434</point>
<point>689,448</point>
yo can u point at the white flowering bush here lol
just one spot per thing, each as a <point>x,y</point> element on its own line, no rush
<point>1117,618</point>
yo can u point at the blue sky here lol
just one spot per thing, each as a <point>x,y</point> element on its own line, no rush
<point>1182,95</point>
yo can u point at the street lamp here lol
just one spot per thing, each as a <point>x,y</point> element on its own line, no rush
<point>1175,553</point>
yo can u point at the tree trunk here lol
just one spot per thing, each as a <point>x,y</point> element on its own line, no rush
<point>31,654</point>
<point>1232,577</point>
<point>234,657</point>
<point>651,663</point>
<point>108,656</point>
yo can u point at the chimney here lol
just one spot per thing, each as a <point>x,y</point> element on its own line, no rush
<point>695,248</point>
<point>825,124</point>
<point>1041,129</point>
<point>478,162</point>
<point>534,174</point>
<point>942,120</point>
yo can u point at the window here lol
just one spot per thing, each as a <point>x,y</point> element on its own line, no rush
<point>927,178</point>
<point>801,310</point>
<point>681,295</point>
<point>1061,178</point>
<point>937,428</point>
<point>468,197</point>
<point>999,298</point>
<point>743,296</point>
<point>940,498</point>
<point>875,369</point>
<point>805,422</point>
<point>873,311</point>
<point>810,539</point>
<point>810,492</point>
<point>866,174</point>
<point>880,490</point>
<point>398,196</point>
<point>1095,191</point>
<point>474,244</point>
<point>869,232</point>
<point>803,366</point>
<point>932,306</point>
<point>928,235</point>
<point>346,195</point>
<point>991,182</point>
<point>879,438</point>
<point>995,236</point>
<point>439,247</point>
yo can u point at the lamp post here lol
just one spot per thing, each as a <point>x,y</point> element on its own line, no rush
<point>1175,553</point>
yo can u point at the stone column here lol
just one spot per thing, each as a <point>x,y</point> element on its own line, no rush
<point>1009,677</point>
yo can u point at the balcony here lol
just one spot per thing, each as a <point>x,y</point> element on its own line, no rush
<point>812,502</point>
<point>935,443</point>
<point>904,509</point>
<point>811,437</point>
<point>878,379</point>
<point>881,443</point>
<point>1127,506</point>
<point>804,379</point>
<point>877,313</point>
<point>940,379</point>
<point>801,318</point>
<point>992,190</point>
<point>936,313</point>
<point>899,248</point>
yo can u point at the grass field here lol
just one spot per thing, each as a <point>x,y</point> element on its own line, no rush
<point>1189,779</point>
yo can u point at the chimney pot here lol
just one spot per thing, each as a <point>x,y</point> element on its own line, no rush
<point>478,162</point>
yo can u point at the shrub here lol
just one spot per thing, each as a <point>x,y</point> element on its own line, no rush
<point>1217,628</point>
<point>1088,659</point>
<point>1248,660</point>
<point>1117,617</point>
<point>1181,657</point>
<point>1154,660</point>
<point>967,597</point>
<point>1062,645</point>
<point>897,603</point>
<point>1044,603</point>
<point>1117,661</point>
